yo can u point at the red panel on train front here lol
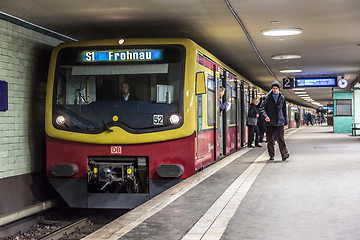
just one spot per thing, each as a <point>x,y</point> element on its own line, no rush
<point>180,151</point>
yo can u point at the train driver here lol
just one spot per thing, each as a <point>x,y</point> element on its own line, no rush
<point>126,96</point>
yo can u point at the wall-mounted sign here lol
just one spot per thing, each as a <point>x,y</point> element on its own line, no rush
<point>316,82</point>
<point>3,96</point>
<point>125,55</point>
<point>288,83</point>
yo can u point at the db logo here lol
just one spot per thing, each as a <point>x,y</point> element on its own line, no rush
<point>115,150</point>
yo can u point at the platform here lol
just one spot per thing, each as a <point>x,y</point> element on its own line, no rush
<point>313,195</point>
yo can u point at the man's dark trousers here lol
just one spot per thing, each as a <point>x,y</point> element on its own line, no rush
<point>270,131</point>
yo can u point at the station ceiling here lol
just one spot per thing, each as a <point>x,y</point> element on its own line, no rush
<point>230,29</point>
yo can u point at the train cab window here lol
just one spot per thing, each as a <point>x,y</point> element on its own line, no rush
<point>90,96</point>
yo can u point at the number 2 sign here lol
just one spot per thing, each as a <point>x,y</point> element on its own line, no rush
<point>288,83</point>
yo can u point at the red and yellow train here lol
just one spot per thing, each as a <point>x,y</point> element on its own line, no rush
<point>105,152</point>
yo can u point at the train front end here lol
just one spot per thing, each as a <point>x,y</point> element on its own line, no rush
<point>108,150</point>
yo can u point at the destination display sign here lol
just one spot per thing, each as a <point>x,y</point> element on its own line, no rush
<point>316,82</point>
<point>124,55</point>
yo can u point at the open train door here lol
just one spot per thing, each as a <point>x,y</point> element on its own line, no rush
<point>221,114</point>
<point>239,114</point>
<point>207,132</point>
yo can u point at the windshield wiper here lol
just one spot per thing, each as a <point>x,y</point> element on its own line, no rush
<point>82,97</point>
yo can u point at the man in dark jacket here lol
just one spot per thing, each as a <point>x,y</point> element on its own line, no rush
<point>273,109</point>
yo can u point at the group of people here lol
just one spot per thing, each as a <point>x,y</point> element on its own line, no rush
<point>271,114</point>
<point>312,119</point>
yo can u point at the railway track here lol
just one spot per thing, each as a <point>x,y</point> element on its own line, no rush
<point>66,225</point>
<point>73,231</point>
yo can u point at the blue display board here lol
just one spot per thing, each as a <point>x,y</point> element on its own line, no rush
<point>316,82</point>
<point>122,55</point>
<point>3,96</point>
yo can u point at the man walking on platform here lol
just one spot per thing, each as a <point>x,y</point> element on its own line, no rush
<point>273,109</point>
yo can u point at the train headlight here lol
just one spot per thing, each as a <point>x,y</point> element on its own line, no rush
<point>60,120</point>
<point>174,119</point>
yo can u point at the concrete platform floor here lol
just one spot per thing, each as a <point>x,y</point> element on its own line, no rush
<point>315,194</point>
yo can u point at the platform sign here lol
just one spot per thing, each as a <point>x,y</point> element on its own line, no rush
<point>3,96</point>
<point>288,83</point>
<point>316,82</point>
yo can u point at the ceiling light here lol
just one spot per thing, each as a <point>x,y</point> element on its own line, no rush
<point>303,95</point>
<point>298,89</point>
<point>300,92</point>
<point>291,71</point>
<point>285,56</point>
<point>281,32</point>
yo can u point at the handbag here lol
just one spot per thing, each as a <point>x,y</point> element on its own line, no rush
<point>251,121</point>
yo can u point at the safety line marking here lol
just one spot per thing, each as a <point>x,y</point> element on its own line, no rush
<point>132,219</point>
<point>214,222</point>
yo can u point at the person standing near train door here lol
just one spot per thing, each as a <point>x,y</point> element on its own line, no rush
<point>251,123</point>
<point>297,118</point>
<point>273,109</point>
<point>260,124</point>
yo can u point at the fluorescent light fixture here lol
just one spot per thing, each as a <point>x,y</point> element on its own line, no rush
<point>279,32</point>
<point>303,95</point>
<point>285,56</point>
<point>300,92</point>
<point>298,89</point>
<point>290,70</point>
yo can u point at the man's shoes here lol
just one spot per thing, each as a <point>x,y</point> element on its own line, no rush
<point>251,146</point>
<point>271,158</point>
<point>258,145</point>
<point>285,156</point>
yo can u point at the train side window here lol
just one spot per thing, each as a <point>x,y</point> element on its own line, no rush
<point>211,100</point>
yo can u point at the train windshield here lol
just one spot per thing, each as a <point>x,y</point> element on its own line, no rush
<point>92,95</point>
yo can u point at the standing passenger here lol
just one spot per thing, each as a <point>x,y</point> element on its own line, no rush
<point>261,125</point>
<point>309,119</point>
<point>297,118</point>
<point>251,123</point>
<point>273,109</point>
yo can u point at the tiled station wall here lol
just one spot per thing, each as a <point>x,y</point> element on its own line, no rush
<point>24,60</point>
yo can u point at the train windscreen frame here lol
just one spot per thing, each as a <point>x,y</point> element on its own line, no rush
<point>88,88</point>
